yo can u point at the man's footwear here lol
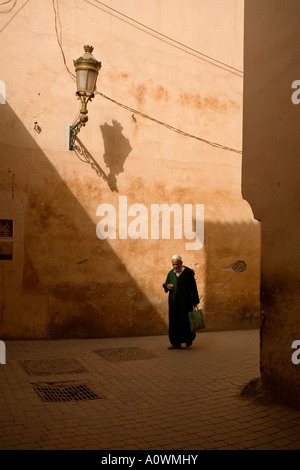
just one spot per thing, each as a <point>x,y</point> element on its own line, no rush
<point>177,346</point>
<point>188,345</point>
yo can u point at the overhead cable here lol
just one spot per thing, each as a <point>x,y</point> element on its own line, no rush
<point>128,108</point>
<point>5,3</point>
<point>166,39</point>
<point>168,126</point>
<point>11,19</point>
<point>58,31</point>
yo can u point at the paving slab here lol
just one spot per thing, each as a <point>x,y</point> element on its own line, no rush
<point>144,396</point>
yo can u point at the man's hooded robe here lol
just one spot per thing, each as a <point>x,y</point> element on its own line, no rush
<point>181,300</point>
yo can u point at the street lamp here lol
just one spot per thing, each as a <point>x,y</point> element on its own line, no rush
<point>86,68</point>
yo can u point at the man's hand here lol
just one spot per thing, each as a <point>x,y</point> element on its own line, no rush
<point>170,286</point>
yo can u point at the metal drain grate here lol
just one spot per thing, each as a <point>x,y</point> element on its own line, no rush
<point>54,392</point>
<point>52,366</point>
<point>124,354</point>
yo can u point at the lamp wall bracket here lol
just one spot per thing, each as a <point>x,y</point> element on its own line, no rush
<point>72,132</point>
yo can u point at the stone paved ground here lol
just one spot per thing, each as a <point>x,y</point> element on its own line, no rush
<point>149,397</point>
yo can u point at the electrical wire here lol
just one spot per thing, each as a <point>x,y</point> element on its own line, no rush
<point>5,3</point>
<point>167,37</point>
<point>58,31</point>
<point>164,38</point>
<point>168,126</point>
<point>11,19</point>
<point>132,110</point>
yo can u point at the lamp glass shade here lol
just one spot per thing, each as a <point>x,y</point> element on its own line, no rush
<point>86,81</point>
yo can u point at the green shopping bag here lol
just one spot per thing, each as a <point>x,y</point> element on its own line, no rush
<point>196,318</point>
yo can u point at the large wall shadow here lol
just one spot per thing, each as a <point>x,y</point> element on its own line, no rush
<point>71,287</point>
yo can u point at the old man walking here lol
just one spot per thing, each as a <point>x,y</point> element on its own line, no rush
<point>183,296</point>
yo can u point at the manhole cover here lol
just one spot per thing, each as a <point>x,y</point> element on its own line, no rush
<point>124,354</point>
<point>53,366</point>
<point>53,392</point>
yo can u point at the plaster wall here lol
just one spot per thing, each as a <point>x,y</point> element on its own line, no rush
<point>270,181</point>
<point>64,281</point>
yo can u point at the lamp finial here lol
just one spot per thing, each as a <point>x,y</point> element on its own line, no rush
<point>88,49</point>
